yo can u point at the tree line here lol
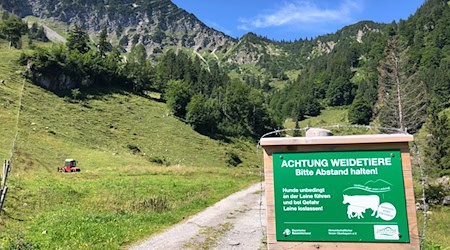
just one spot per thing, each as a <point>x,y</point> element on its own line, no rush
<point>12,28</point>
<point>396,76</point>
<point>200,93</point>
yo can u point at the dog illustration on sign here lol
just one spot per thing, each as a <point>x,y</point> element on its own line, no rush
<point>359,203</point>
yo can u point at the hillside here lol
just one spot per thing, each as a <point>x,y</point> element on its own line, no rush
<point>359,71</point>
<point>140,166</point>
<point>160,25</point>
<point>157,24</point>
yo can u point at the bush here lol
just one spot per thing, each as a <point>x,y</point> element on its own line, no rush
<point>233,159</point>
<point>434,194</point>
<point>160,161</point>
<point>134,148</point>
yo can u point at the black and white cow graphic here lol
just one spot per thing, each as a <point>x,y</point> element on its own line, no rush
<point>359,203</point>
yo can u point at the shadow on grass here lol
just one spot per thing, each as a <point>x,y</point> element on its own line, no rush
<point>92,92</point>
<point>99,92</point>
<point>148,97</point>
<point>9,216</point>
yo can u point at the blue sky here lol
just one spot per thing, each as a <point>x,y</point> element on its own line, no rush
<point>291,19</point>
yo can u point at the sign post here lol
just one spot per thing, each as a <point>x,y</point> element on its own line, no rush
<point>340,192</point>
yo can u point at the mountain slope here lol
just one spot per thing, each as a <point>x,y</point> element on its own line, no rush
<point>157,24</point>
<point>160,24</point>
<point>142,169</point>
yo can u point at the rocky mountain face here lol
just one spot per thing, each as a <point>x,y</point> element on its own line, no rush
<point>154,23</point>
<point>160,24</point>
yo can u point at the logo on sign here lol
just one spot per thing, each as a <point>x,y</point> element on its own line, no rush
<point>386,232</point>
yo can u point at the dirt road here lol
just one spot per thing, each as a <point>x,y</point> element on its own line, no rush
<point>236,222</point>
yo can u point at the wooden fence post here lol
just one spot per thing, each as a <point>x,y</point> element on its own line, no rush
<point>3,197</point>
<point>3,175</point>
<point>3,187</point>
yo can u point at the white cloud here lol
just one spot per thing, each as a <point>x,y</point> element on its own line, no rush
<point>301,12</point>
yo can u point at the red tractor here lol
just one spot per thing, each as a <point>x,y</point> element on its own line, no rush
<point>70,165</point>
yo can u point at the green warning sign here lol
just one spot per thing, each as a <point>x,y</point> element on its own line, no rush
<point>350,196</point>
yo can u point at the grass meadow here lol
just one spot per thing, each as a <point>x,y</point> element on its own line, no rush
<point>142,169</point>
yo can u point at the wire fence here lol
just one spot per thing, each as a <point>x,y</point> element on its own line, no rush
<point>8,163</point>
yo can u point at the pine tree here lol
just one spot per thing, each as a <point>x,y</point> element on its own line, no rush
<point>103,45</point>
<point>13,29</point>
<point>139,70</point>
<point>137,56</point>
<point>37,33</point>
<point>438,141</point>
<point>340,92</point>
<point>78,40</point>
<point>165,70</point>
<point>360,112</point>
<point>5,15</point>
<point>403,99</point>
<point>297,131</point>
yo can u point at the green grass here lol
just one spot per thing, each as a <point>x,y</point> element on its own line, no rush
<point>120,196</point>
<point>293,74</point>
<point>59,27</point>
<point>277,84</point>
<point>334,119</point>
<point>9,92</point>
<point>437,237</point>
<point>327,117</point>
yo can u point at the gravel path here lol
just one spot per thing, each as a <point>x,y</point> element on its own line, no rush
<point>232,223</point>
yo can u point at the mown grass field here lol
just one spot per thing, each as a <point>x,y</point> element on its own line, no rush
<point>333,119</point>
<point>142,170</point>
<point>58,27</point>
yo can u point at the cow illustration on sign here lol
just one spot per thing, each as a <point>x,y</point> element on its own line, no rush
<point>359,203</point>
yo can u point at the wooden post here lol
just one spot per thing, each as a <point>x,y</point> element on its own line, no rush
<point>286,155</point>
<point>3,197</point>
<point>6,171</point>
<point>3,187</point>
